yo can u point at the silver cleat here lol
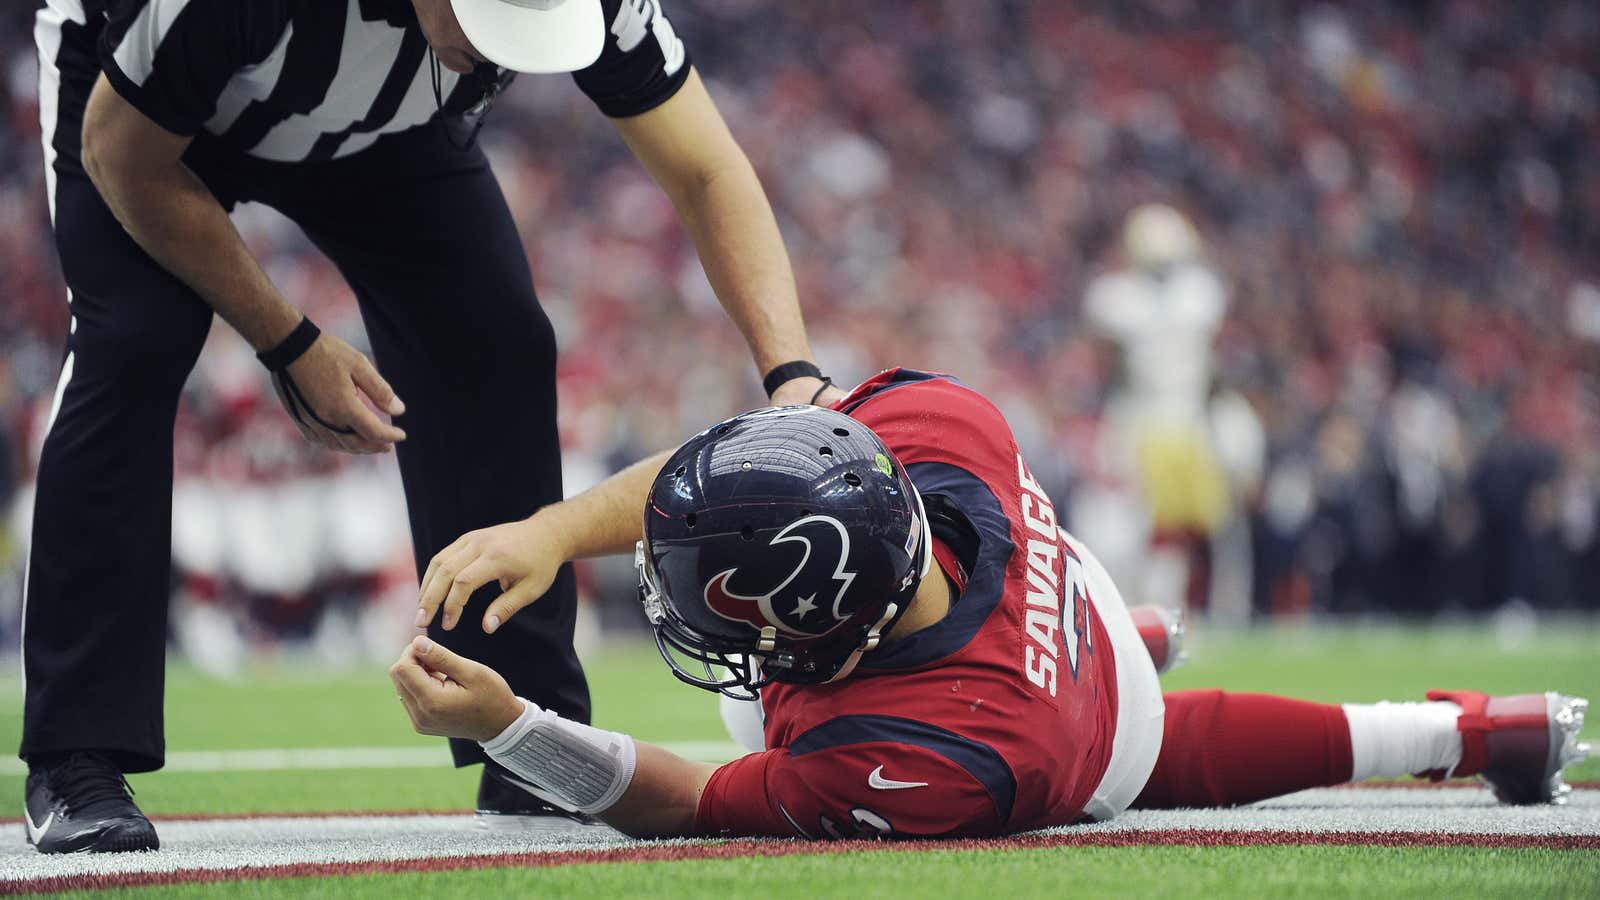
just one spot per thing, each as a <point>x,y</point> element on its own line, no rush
<point>1162,631</point>
<point>1520,744</point>
<point>1566,724</point>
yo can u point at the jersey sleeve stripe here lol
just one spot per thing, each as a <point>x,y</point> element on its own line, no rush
<point>981,761</point>
<point>136,52</point>
<point>985,583</point>
<point>313,52</point>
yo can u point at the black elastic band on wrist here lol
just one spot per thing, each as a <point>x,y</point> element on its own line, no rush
<point>826,383</point>
<point>292,347</point>
<point>789,371</point>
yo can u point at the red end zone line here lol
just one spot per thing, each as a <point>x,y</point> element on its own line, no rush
<point>748,848</point>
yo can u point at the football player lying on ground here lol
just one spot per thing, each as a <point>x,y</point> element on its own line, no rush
<point>934,656</point>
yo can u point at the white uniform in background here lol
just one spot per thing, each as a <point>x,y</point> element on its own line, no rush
<point>1156,449</point>
<point>1164,321</point>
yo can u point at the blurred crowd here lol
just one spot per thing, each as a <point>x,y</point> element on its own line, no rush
<point>1401,202</point>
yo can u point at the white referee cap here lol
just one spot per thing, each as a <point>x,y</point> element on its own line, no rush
<point>534,35</point>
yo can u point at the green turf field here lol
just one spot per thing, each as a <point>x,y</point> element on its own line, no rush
<point>1166,872</point>
<point>292,708</point>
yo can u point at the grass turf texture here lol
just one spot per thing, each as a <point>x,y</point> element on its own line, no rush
<point>289,708</point>
<point>1173,872</point>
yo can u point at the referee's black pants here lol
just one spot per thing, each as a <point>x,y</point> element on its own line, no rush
<point>423,235</point>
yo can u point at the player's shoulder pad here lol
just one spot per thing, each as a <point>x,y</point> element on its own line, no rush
<point>933,417</point>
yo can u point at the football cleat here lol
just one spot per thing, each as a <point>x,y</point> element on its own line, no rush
<point>1520,744</point>
<point>80,802</point>
<point>504,805</point>
<point>1161,629</point>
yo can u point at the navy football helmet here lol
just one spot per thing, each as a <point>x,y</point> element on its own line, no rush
<point>780,545</point>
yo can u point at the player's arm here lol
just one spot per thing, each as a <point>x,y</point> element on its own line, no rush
<point>137,166</point>
<point>686,147</point>
<point>525,556</point>
<point>637,788</point>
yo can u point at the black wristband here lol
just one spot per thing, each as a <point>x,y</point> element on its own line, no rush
<point>789,371</point>
<point>292,347</point>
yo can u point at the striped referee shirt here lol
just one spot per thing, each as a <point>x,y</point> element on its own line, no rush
<point>313,80</point>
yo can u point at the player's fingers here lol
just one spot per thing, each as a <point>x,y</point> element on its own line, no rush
<point>376,388</point>
<point>398,673</point>
<point>507,604</point>
<point>473,575</point>
<point>437,659</point>
<point>409,704</point>
<point>410,676</point>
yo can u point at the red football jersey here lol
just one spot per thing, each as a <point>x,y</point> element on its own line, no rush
<point>997,719</point>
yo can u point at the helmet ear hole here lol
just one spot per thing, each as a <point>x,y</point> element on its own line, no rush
<point>680,471</point>
<point>852,479</point>
<point>747,533</point>
<point>842,432</point>
<point>825,451</point>
<point>691,519</point>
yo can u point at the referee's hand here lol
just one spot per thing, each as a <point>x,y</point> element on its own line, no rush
<point>524,557</point>
<point>333,384</point>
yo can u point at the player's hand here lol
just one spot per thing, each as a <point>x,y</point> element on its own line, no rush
<point>452,696</point>
<point>523,557</point>
<point>327,392</point>
<point>799,391</point>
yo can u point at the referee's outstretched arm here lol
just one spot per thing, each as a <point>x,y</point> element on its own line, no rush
<point>687,149</point>
<point>137,167</point>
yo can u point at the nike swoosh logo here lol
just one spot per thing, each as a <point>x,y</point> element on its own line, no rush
<point>876,780</point>
<point>35,832</point>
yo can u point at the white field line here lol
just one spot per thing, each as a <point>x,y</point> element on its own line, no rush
<point>307,758</point>
<point>270,842</point>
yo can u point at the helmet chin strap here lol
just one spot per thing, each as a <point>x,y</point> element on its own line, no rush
<point>870,643</point>
<point>875,633</point>
<point>927,536</point>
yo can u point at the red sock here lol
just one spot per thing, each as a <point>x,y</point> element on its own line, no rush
<point>1219,749</point>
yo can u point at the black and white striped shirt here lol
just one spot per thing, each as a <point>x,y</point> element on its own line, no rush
<point>312,80</point>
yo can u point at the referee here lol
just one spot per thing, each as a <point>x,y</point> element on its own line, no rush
<point>352,118</point>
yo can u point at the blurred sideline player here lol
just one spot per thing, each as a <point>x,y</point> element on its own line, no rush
<point>933,655</point>
<point>1162,312</point>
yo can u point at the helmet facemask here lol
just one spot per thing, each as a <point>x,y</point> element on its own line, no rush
<point>691,654</point>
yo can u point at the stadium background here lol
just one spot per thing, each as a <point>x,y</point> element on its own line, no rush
<point>1402,198</point>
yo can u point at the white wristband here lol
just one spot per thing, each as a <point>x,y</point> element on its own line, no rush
<point>577,767</point>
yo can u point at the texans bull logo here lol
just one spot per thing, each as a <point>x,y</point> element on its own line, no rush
<point>825,543</point>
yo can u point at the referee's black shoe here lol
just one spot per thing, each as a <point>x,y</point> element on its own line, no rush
<point>79,802</point>
<point>503,805</point>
